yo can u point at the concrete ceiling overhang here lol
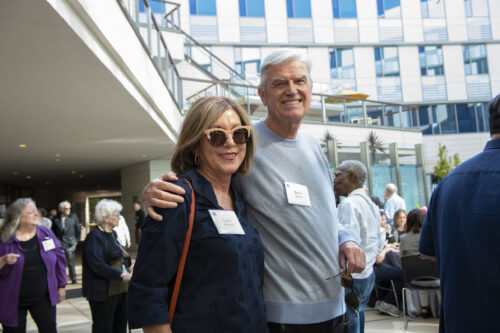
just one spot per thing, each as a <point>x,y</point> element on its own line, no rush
<point>58,98</point>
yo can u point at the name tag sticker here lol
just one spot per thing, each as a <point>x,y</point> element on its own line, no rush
<point>48,244</point>
<point>226,222</point>
<point>297,194</point>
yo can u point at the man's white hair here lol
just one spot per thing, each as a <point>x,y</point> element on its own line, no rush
<point>64,204</point>
<point>391,188</point>
<point>106,207</point>
<point>281,56</point>
<point>357,168</point>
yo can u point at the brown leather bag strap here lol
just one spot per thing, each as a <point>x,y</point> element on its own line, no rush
<point>182,262</point>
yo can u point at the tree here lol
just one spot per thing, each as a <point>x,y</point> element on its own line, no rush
<point>375,144</point>
<point>328,136</point>
<point>444,164</point>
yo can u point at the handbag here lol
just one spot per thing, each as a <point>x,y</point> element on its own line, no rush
<point>182,262</point>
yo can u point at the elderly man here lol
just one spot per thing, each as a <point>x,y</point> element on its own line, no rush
<point>361,216</point>
<point>291,205</point>
<point>66,227</point>
<point>462,229</point>
<point>393,202</point>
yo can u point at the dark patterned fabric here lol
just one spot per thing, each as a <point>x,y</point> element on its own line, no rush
<point>221,289</point>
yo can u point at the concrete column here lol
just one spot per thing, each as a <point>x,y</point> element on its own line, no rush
<point>333,154</point>
<point>365,159</point>
<point>419,152</point>
<point>134,179</point>
<point>394,155</point>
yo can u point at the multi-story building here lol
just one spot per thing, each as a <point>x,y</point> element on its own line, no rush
<point>93,92</point>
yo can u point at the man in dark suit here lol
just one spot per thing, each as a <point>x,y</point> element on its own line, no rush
<point>139,220</point>
<point>66,227</point>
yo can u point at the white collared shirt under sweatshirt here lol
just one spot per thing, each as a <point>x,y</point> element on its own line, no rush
<point>361,216</point>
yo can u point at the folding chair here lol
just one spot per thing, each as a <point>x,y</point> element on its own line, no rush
<point>417,267</point>
<point>391,289</point>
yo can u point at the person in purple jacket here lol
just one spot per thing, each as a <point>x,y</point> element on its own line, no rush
<point>32,270</point>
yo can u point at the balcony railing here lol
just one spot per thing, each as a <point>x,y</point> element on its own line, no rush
<point>148,26</point>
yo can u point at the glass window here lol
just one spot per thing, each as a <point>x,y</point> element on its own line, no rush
<point>432,8</point>
<point>298,8</point>
<point>423,115</point>
<point>252,8</point>
<point>156,7</point>
<point>475,61</point>
<point>344,8</point>
<point>388,8</point>
<point>386,61</point>
<point>202,7</point>
<point>431,60</point>
<point>466,118</point>
<point>476,8</point>
<point>446,118</point>
<point>482,116</point>
<point>341,63</point>
<point>247,61</point>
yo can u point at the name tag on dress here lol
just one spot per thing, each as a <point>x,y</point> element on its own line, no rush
<point>297,194</point>
<point>226,222</point>
<point>48,244</point>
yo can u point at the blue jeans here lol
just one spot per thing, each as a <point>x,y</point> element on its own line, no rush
<point>362,289</point>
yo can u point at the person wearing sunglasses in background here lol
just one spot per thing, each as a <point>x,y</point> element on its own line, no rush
<point>221,289</point>
<point>290,201</point>
<point>361,216</point>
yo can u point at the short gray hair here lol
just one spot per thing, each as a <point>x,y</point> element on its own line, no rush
<point>391,188</point>
<point>12,218</point>
<point>106,207</point>
<point>281,56</point>
<point>357,168</point>
<point>64,203</point>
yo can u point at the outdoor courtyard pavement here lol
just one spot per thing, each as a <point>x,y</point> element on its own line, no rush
<point>73,315</point>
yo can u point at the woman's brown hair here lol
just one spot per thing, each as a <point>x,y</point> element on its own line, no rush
<point>201,115</point>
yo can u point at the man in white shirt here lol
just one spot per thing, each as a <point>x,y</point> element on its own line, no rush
<point>393,202</point>
<point>361,216</point>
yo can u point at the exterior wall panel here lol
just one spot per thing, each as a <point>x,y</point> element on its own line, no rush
<point>454,72</point>
<point>410,73</point>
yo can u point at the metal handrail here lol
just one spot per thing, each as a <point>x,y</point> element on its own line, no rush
<point>171,79</point>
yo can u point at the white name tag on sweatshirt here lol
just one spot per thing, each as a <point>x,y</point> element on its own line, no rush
<point>48,244</point>
<point>297,194</point>
<point>226,222</point>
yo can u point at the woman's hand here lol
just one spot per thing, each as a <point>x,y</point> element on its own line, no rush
<point>126,277</point>
<point>8,259</point>
<point>61,292</point>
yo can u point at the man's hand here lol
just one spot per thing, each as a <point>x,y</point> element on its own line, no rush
<point>352,255</point>
<point>61,292</point>
<point>161,193</point>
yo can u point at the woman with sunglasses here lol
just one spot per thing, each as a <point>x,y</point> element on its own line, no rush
<point>221,289</point>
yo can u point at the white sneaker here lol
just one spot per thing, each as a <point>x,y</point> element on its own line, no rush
<point>387,308</point>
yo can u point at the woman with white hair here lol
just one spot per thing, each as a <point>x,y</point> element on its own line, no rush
<point>361,216</point>
<point>106,271</point>
<point>32,270</point>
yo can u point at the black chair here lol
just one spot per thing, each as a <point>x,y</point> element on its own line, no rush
<point>391,289</point>
<point>415,267</point>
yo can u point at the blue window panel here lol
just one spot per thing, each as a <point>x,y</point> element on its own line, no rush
<point>206,7</point>
<point>423,115</point>
<point>435,125</point>
<point>192,7</point>
<point>299,8</point>
<point>333,64</point>
<point>243,8</point>
<point>446,116</point>
<point>414,118</point>
<point>466,118</point>
<point>336,9</point>
<point>391,4</point>
<point>380,8</point>
<point>289,8</point>
<point>156,7</point>
<point>481,111</point>
<point>344,8</point>
<point>255,8</point>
